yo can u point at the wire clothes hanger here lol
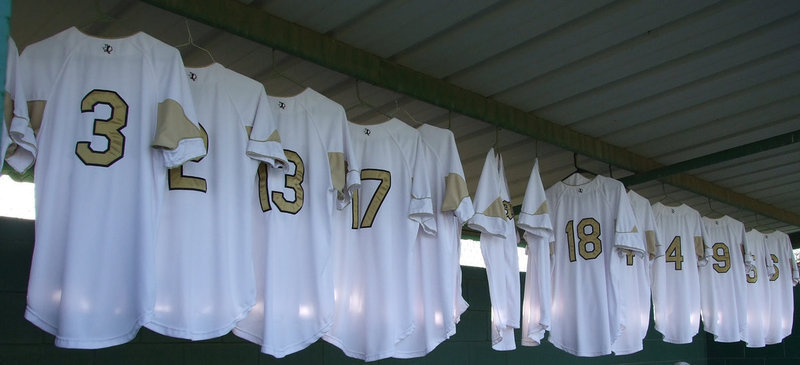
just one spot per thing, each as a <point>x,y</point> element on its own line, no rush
<point>578,169</point>
<point>102,21</point>
<point>713,211</point>
<point>275,71</point>
<point>362,102</point>
<point>190,42</point>
<point>666,198</point>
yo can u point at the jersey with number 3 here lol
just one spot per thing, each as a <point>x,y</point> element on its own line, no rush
<point>676,282</point>
<point>294,208</point>
<point>593,223</point>
<point>102,104</point>
<point>377,258</point>
<point>203,259</point>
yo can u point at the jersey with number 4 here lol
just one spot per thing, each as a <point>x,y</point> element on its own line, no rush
<point>722,290</point>
<point>783,276</point>
<point>103,105</point>
<point>676,282</point>
<point>377,257</point>
<point>635,277</point>
<point>593,225</point>
<point>494,218</point>
<point>203,259</point>
<point>293,232</point>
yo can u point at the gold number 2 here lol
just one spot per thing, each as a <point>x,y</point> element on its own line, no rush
<point>179,181</point>
<point>108,128</point>
<point>385,178</point>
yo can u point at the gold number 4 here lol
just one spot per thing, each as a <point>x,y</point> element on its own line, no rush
<point>584,239</point>
<point>108,128</point>
<point>292,181</point>
<point>179,181</point>
<point>385,178</point>
<point>673,253</point>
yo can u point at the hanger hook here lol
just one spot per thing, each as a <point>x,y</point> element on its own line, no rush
<point>496,137</point>
<point>450,120</point>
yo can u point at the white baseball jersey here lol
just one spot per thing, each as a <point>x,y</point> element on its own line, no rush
<point>593,223</point>
<point>377,260</point>
<point>18,143</point>
<point>293,235</point>
<point>534,220</point>
<point>675,278</point>
<point>438,301</point>
<point>722,290</point>
<point>757,292</point>
<point>494,218</point>
<point>203,259</point>
<point>783,276</point>
<point>103,105</point>
<point>635,278</point>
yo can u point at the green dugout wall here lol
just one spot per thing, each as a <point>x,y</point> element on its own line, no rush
<point>23,343</point>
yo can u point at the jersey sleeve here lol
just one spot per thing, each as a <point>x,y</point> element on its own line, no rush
<point>178,134</point>
<point>262,124</point>
<point>534,218</point>
<point>701,247</point>
<point>456,197</point>
<point>18,133</point>
<point>490,212</point>
<point>421,207</point>
<point>627,232</point>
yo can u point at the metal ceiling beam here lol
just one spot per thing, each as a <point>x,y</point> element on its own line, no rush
<point>267,29</point>
<point>713,158</point>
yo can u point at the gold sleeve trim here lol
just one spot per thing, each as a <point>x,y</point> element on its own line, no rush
<point>542,209</point>
<point>274,137</point>
<point>650,241</point>
<point>455,192</point>
<point>36,113</point>
<point>699,247</point>
<point>173,125</point>
<point>338,172</point>
<point>248,129</point>
<point>496,209</point>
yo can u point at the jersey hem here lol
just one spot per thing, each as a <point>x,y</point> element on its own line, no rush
<point>40,322</point>
<point>571,351</point>
<point>333,340</point>
<point>287,350</point>
<point>172,331</point>
<point>627,350</point>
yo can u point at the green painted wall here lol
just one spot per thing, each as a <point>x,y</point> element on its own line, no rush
<point>23,343</point>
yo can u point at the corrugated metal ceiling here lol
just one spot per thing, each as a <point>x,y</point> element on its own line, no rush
<point>666,80</point>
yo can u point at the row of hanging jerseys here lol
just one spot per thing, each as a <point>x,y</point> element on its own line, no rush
<point>596,254</point>
<point>188,201</point>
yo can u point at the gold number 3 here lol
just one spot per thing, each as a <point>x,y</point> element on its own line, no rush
<point>108,128</point>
